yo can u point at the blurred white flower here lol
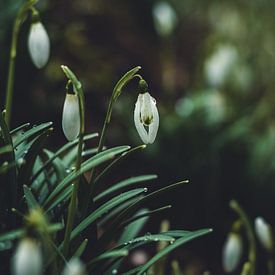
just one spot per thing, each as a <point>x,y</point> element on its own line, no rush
<point>74,267</point>
<point>232,252</point>
<point>139,257</point>
<point>39,44</point>
<point>264,232</point>
<point>28,258</point>
<point>71,117</point>
<point>164,17</point>
<point>146,116</point>
<point>219,65</point>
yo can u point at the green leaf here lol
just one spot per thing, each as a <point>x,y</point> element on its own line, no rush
<point>117,161</point>
<point>31,201</point>
<point>123,184</point>
<point>108,255</point>
<point>80,249</point>
<point>18,129</point>
<point>115,226</point>
<point>6,149</point>
<point>32,133</point>
<point>86,166</point>
<point>104,209</point>
<point>171,247</point>
<point>61,151</point>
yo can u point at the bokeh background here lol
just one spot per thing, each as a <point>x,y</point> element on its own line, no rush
<point>211,67</point>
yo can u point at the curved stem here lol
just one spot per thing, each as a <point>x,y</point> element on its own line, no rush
<point>250,235</point>
<point>13,51</point>
<point>115,94</point>
<point>74,200</point>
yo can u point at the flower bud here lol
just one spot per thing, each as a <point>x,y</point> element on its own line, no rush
<point>146,115</point>
<point>39,44</point>
<point>71,117</point>
<point>264,233</point>
<point>28,258</point>
<point>74,267</point>
<point>232,252</point>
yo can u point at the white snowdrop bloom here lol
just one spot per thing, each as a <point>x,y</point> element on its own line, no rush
<point>71,117</point>
<point>232,252</point>
<point>74,267</point>
<point>39,44</point>
<point>263,232</point>
<point>146,117</point>
<point>28,258</point>
<point>165,18</point>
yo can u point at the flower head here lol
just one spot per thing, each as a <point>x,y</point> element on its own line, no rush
<point>39,44</point>
<point>232,252</point>
<point>263,232</point>
<point>71,117</point>
<point>146,115</point>
<point>28,258</point>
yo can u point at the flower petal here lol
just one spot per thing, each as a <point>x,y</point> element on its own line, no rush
<point>153,127</point>
<point>139,126</point>
<point>71,117</point>
<point>39,45</point>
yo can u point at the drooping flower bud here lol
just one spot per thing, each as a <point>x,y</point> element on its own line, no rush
<point>146,115</point>
<point>39,44</point>
<point>28,258</point>
<point>232,252</point>
<point>264,233</point>
<point>71,117</point>
<point>74,267</point>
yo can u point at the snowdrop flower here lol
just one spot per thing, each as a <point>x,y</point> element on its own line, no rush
<point>232,252</point>
<point>71,117</point>
<point>263,232</point>
<point>38,44</point>
<point>28,258</point>
<point>146,115</point>
<point>74,267</point>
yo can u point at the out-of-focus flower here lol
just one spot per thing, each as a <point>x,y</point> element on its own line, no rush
<point>264,233</point>
<point>146,117</point>
<point>28,258</point>
<point>39,44</point>
<point>74,267</point>
<point>139,257</point>
<point>71,117</point>
<point>232,252</point>
<point>165,18</point>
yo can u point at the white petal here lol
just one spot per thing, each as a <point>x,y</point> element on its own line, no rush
<point>153,127</point>
<point>263,232</point>
<point>146,108</point>
<point>139,126</point>
<point>71,117</point>
<point>39,45</point>
<point>74,267</point>
<point>28,258</point>
<point>232,252</point>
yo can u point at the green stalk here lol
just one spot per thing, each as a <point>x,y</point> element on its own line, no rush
<point>13,51</point>
<point>115,94</point>
<point>74,200</point>
<point>250,235</point>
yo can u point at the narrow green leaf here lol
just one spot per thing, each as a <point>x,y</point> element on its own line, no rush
<point>108,255</point>
<point>171,247</point>
<point>86,166</point>
<point>123,184</point>
<point>21,127</point>
<point>6,149</point>
<point>31,201</point>
<point>32,133</point>
<point>78,253</point>
<point>105,208</point>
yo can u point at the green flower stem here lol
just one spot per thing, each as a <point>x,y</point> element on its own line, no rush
<point>115,94</point>
<point>250,235</point>
<point>74,200</point>
<point>13,51</point>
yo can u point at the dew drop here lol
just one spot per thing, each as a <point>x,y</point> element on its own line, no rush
<point>145,189</point>
<point>114,271</point>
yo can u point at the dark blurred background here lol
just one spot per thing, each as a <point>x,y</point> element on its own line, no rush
<point>211,67</point>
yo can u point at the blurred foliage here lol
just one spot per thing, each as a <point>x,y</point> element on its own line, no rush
<point>210,65</point>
